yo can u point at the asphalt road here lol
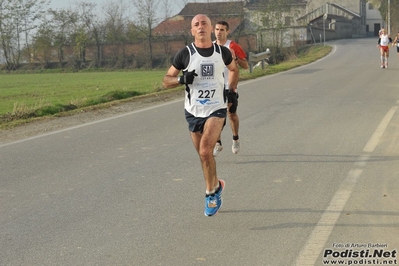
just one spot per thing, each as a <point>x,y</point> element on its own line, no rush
<point>316,178</point>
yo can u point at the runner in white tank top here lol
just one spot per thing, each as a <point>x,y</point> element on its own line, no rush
<point>383,43</point>
<point>206,94</point>
<point>203,64</point>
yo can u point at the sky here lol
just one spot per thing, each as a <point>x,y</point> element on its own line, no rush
<point>176,6</point>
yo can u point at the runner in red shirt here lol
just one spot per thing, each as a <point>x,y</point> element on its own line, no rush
<point>221,32</point>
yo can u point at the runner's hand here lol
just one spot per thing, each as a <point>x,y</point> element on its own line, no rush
<point>187,77</point>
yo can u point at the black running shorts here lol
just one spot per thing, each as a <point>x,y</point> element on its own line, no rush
<point>196,124</point>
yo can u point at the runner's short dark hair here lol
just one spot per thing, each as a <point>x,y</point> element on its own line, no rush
<point>224,23</point>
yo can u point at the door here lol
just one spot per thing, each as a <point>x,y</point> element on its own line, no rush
<point>377,27</point>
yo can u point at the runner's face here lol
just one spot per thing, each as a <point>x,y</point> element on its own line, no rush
<point>201,27</point>
<point>221,32</point>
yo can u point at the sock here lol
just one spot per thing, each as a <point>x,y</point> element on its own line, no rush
<point>207,192</point>
<point>235,137</point>
<point>386,60</point>
<point>382,60</point>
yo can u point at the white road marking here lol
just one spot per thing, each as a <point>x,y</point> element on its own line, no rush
<point>373,141</point>
<point>323,229</point>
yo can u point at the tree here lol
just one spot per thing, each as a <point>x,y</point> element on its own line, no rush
<point>78,41</point>
<point>146,11</point>
<point>31,11</point>
<point>17,20</point>
<point>382,6</point>
<point>116,29</point>
<point>61,22</point>
<point>166,9</point>
<point>42,44</point>
<point>90,29</point>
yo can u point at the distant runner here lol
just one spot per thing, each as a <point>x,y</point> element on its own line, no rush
<point>383,44</point>
<point>396,43</point>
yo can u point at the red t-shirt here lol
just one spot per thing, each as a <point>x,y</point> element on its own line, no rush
<point>238,50</point>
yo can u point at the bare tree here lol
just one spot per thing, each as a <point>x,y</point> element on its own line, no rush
<point>42,44</point>
<point>146,11</point>
<point>31,11</point>
<point>61,24</point>
<point>166,9</point>
<point>17,20</point>
<point>116,21</point>
<point>92,29</point>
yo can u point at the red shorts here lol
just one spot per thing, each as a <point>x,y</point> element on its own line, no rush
<point>384,48</point>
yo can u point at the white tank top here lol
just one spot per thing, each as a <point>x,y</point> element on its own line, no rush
<point>384,40</point>
<point>206,94</point>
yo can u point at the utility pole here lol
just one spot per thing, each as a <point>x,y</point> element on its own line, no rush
<point>324,27</point>
<point>389,17</point>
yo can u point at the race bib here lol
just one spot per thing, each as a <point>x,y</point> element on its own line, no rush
<point>206,97</point>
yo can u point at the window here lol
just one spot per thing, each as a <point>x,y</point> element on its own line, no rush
<point>287,21</point>
<point>371,7</point>
<point>265,22</point>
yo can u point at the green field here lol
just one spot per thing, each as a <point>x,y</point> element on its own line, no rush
<point>29,92</point>
<point>26,96</point>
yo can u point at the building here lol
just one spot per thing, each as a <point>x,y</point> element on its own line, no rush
<point>254,24</point>
<point>374,21</point>
<point>268,22</point>
<point>175,33</point>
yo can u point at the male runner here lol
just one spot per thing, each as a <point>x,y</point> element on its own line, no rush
<point>203,64</point>
<point>221,32</point>
<point>383,43</point>
<point>396,43</point>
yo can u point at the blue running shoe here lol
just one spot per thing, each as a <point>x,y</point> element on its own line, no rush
<point>214,202</point>
<point>211,205</point>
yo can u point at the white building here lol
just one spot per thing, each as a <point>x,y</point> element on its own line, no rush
<point>374,21</point>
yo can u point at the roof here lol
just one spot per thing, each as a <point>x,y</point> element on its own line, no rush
<point>175,26</point>
<point>346,10</point>
<point>256,4</point>
<point>183,26</point>
<point>315,14</point>
<point>214,8</point>
<point>331,17</point>
<point>231,12</point>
